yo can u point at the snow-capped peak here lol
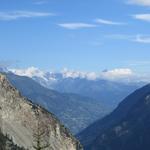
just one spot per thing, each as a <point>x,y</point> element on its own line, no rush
<point>115,74</point>
<point>33,72</point>
<point>125,75</point>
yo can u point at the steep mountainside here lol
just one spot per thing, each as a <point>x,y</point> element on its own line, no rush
<point>26,123</point>
<point>127,128</point>
<point>75,111</point>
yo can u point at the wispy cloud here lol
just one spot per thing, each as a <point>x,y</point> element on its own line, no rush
<point>14,15</point>
<point>108,22</point>
<point>96,43</point>
<point>140,2</point>
<point>120,37</point>
<point>138,63</point>
<point>40,2</point>
<point>144,17</point>
<point>143,39</point>
<point>139,38</point>
<point>78,25</point>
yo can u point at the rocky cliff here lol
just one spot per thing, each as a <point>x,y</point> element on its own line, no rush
<point>22,121</point>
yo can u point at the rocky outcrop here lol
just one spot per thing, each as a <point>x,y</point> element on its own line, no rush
<point>19,118</point>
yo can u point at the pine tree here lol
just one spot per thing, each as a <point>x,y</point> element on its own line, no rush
<point>41,134</point>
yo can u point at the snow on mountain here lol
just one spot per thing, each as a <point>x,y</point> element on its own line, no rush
<point>123,74</point>
<point>30,72</point>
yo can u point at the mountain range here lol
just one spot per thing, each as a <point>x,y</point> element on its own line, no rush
<point>75,111</point>
<point>83,99</point>
<point>126,128</point>
<point>108,88</point>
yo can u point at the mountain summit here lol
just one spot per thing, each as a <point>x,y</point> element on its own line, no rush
<point>25,122</point>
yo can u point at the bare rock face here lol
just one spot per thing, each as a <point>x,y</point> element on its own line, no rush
<point>23,121</point>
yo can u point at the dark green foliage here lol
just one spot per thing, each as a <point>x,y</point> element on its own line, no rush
<point>41,134</point>
<point>3,140</point>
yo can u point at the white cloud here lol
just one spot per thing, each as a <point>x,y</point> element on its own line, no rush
<point>14,15</point>
<point>139,38</point>
<point>34,72</point>
<point>108,22</point>
<point>142,39</point>
<point>79,25</point>
<point>139,63</point>
<point>125,75</point>
<point>120,36</point>
<point>79,74</point>
<point>144,17</point>
<point>140,2</point>
<point>40,2</point>
<point>30,72</point>
<point>115,74</point>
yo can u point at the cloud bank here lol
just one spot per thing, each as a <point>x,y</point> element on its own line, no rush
<point>120,74</point>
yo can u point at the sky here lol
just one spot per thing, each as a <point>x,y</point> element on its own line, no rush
<point>87,35</point>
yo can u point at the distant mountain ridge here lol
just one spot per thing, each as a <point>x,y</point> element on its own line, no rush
<point>126,128</point>
<point>75,111</point>
<point>108,87</point>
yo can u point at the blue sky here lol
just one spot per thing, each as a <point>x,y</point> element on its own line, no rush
<point>89,35</point>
